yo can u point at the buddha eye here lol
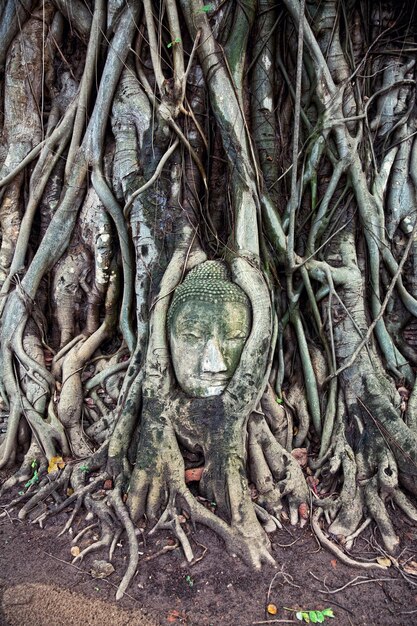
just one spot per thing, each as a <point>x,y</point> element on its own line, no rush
<point>191,336</point>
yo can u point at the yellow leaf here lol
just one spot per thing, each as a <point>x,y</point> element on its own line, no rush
<point>56,463</point>
<point>271,609</point>
<point>70,491</point>
<point>384,561</point>
<point>75,550</point>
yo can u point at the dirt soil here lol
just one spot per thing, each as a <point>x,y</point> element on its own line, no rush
<point>39,586</point>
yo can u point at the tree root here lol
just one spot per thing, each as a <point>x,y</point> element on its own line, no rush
<point>275,472</point>
<point>344,558</point>
<point>126,521</point>
<point>170,521</point>
<point>25,471</point>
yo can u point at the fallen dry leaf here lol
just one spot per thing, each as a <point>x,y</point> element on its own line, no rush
<point>56,463</point>
<point>48,356</point>
<point>333,563</point>
<point>271,609</point>
<point>313,482</point>
<point>403,391</point>
<point>101,569</point>
<point>75,550</point>
<point>108,484</point>
<point>304,511</point>
<point>174,616</point>
<point>411,568</point>
<point>384,561</point>
<point>300,455</point>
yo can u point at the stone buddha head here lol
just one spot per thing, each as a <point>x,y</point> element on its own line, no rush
<point>209,321</point>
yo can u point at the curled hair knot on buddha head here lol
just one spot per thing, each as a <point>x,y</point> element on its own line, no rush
<point>208,282</point>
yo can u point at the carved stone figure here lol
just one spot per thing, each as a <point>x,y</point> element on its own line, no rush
<point>209,321</point>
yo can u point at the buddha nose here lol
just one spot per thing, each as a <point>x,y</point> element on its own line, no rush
<point>212,358</point>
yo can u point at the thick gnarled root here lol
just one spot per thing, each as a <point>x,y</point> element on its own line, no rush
<point>370,484</point>
<point>275,473</point>
<point>159,492</point>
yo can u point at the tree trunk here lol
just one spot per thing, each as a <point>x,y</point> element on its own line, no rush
<point>208,266</point>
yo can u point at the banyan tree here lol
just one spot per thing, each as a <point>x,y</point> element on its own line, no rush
<point>208,267</point>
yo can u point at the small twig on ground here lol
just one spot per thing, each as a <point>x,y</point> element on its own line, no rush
<point>270,587</point>
<point>287,530</point>
<point>11,519</point>
<point>287,578</point>
<point>276,621</point>
<point>374,543</point>
<point>201,557</point>
<point>323,582</point>
<point>341,606</point>
<point>162,551</point>
<point>286,545</point>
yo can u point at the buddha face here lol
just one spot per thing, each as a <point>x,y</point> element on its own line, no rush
<point>206,340</point>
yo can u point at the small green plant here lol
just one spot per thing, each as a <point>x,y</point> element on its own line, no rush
<point>189,581</point>
<point>172,43</point>
<point>84,468</point>
<point>278,400</point>
<point>35,477</point>
<point>315,617</point>
<point>207,8</point>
